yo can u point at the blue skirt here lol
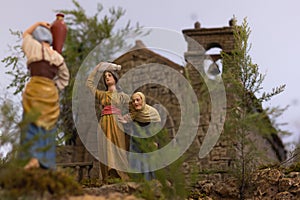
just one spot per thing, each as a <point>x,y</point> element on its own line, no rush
<point>39,143</point>
<point>136,146</point>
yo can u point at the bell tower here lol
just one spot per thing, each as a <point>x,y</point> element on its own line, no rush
<point>203,56</point>
<point>204,65</point>
<point>205,46</point>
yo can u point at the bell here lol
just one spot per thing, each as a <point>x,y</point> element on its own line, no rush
<point>213,69</point>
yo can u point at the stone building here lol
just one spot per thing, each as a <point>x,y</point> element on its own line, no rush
<point>219,158</point>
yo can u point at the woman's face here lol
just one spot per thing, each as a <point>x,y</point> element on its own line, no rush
<point>109,79</point>
<point>137,102</point>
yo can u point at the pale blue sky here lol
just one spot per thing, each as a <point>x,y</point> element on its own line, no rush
<point>275,33</point>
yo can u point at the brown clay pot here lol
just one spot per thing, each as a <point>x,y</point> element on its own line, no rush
<point>59,32</point>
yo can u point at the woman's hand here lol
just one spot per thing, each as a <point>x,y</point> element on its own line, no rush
<point>32,27</point>
<point>45,24</point>
<point>125,118</point>
<point>97,67</point>
<point>122,119</point>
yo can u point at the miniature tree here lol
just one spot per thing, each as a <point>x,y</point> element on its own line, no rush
<point>245,114</point>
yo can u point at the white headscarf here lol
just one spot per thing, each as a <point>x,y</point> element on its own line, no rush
<point>42,34</point>
<point>146,114</point>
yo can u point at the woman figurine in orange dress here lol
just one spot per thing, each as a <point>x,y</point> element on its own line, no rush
<point>111,101</point>
<point>40,99</point>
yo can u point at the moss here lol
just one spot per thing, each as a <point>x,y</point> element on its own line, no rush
<point>15,182</point>
<point>295,167</point>
<point>150,190</point>
<point>92,182</point>
<point>271,165</point>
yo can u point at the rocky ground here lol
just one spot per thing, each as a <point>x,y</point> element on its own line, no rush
<point>267,183</point>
